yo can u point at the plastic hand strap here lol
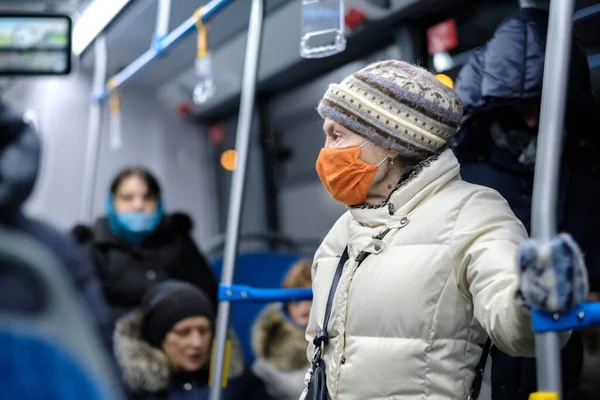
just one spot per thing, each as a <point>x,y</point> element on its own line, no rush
<point>202,34</point>
<point>115,101</point>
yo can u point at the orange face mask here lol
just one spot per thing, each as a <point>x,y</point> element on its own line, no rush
<point>346,177</point>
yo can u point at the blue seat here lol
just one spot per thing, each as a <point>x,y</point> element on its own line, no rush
<point>32,367</point>
<point>48,347</point>
<point>256,269</point>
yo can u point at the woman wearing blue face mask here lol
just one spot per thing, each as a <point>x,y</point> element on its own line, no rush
<point>136,244</point>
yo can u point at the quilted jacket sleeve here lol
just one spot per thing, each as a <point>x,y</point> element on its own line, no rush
<point>484,248</point>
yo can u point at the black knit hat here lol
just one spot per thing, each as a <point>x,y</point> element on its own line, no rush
<point>169,302</point>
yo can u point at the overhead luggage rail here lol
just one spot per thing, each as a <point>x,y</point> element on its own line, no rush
<point>162,44</point>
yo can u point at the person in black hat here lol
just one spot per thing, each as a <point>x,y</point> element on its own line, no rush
<point>163,348</point>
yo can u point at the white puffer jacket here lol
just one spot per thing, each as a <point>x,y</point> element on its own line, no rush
<point>441,277</point>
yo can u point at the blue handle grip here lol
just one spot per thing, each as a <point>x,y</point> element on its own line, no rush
<point>582,316</point>
<point>242,293</point>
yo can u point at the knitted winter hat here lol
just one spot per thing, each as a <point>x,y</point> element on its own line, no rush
<point>169,302</point>
<point>400,106</point>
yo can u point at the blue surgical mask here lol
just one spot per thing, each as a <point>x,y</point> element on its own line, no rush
<point>135,226</point>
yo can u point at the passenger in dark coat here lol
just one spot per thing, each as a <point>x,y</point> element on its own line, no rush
<point>500,88</point>
<point>20,151</point>
<point>164,348</point>
<point>135,245</point>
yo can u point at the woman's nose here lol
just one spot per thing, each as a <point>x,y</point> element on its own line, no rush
<point>138,204</point>
<point>196,340</point>
<point>305,306</point>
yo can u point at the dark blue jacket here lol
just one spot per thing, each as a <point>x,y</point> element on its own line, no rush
<point>19,161</point>
<point>244,387</point>
<point>504,75</point>
<point>507,73</point>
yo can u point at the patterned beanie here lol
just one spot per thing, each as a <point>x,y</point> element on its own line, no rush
<point>397,105</point>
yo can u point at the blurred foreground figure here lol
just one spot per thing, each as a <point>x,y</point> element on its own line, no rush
<point>20,152</point>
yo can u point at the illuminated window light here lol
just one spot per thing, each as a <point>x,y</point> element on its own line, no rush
<point>446,80</point>
<point>92,21</point>
<point>229,159</point>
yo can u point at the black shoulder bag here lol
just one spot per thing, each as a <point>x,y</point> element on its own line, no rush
<point>317,385</point>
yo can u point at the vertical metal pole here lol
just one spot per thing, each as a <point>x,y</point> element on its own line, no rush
<point>94,129</point>
<point>236,199</point>
<point>162,18</point>
<point>409,44</point>
<point>269,161</point>
<point>548,161</point>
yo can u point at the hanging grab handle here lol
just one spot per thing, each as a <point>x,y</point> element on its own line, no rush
<point>115,137</point>
<point>205,87</point>
<point>115,100</point>
<point>202,33</point>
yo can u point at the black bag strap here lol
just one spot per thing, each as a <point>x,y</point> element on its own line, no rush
<point>322,338</point>
<point>478,381</point>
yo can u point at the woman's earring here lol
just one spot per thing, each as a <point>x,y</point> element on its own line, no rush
<point>391,161</point>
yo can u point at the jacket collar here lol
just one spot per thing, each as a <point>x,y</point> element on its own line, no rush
<point>425,180</point>
<point>277,340</point>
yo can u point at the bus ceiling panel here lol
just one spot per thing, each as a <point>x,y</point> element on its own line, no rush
<point>131,35</point>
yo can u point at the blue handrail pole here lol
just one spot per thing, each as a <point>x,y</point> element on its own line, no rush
<point>163,16</point>
<point>548,160</point>
<point>182,31</point>
<point>236,200</point>
<point>583,316</point>
<point>246,294</point>
<point>92,154</point>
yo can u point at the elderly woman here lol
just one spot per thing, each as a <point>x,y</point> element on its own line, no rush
<point>413,279</point>
<point>164,348</point>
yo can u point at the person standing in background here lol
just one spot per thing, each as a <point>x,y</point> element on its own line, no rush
<point>20,153</point>
<point>500,88</point>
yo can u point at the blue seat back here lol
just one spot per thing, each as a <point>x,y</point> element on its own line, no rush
<point>48,346</point>
<point>257,269</point>
<point>33,367</point>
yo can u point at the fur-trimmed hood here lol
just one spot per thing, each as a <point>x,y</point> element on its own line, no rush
<point>145,368</point>
<point>277,340</point>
